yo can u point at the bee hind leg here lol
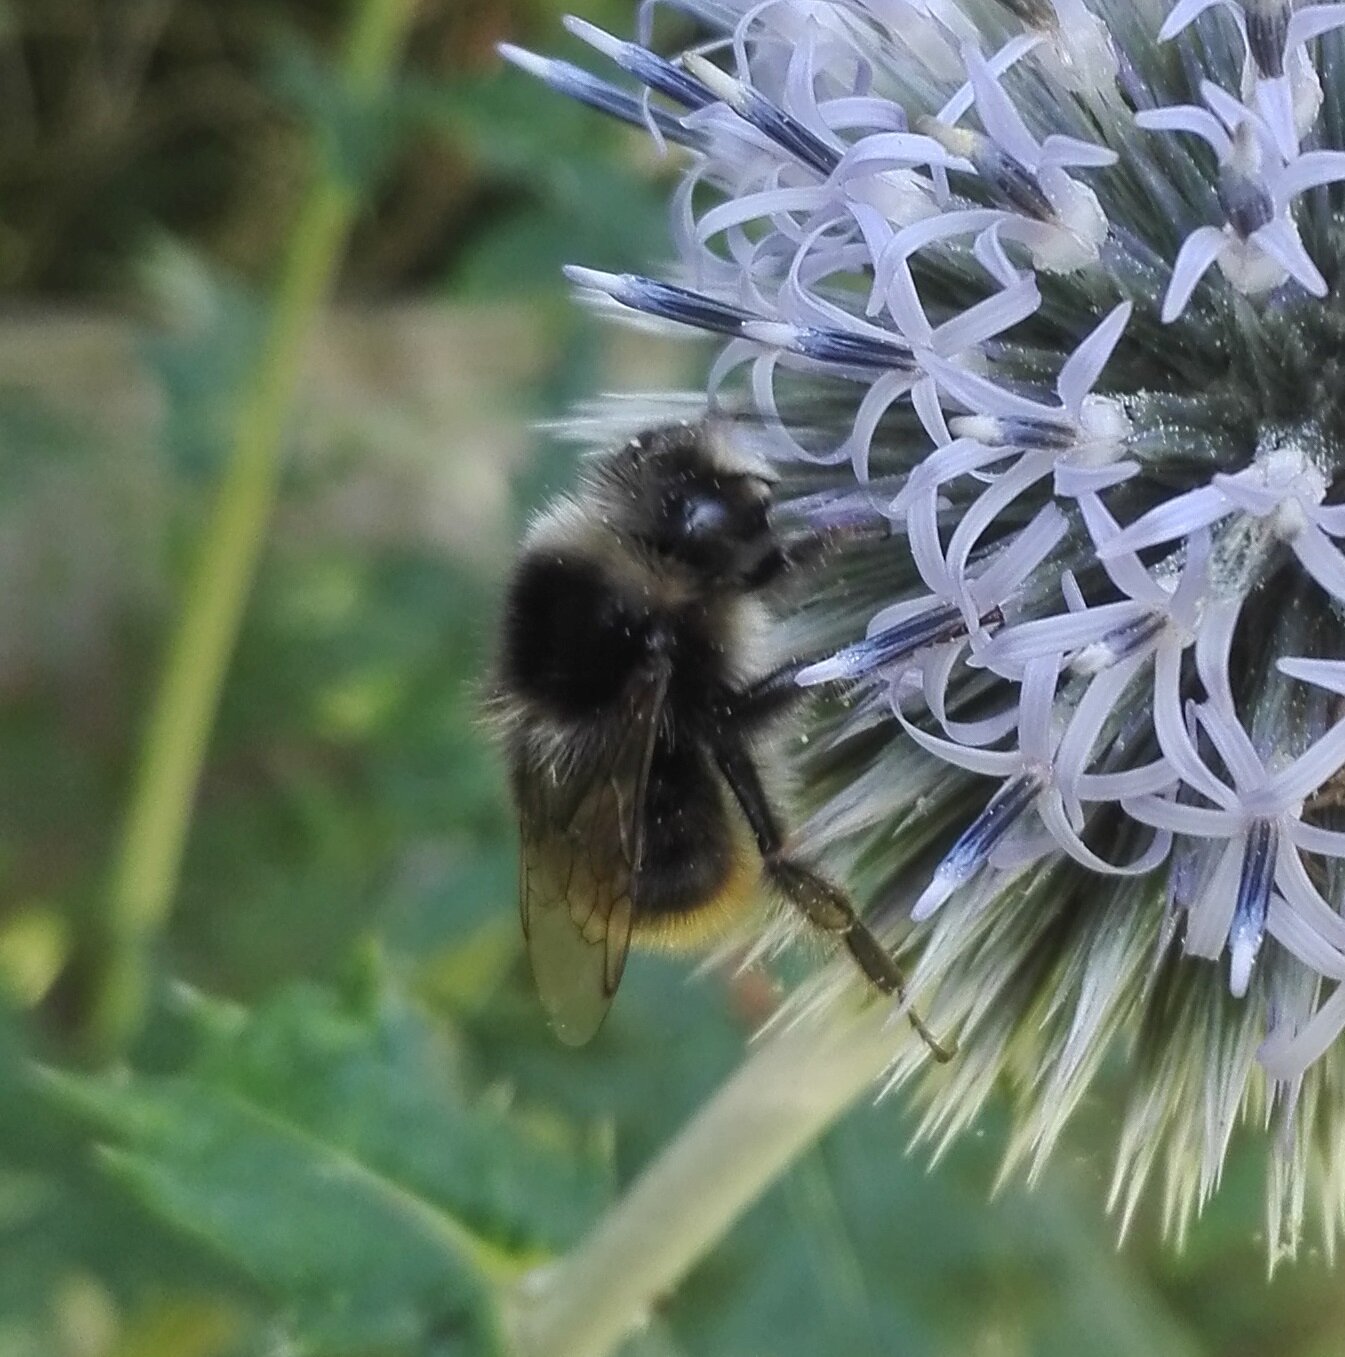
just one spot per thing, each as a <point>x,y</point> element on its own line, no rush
<point>828,908</point>
<point>823,904</point>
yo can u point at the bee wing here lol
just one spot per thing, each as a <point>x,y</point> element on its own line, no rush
<point>581,857</point>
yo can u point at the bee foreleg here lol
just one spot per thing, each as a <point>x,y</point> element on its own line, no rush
<point>805,549</point>
<point>765,698</point>
<point>823,904</point>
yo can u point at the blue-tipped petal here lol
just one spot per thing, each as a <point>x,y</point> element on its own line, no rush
<point>647,67</point>
<point>665,300</point>
<point>576,83</point>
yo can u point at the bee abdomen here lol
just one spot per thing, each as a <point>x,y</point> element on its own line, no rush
<point>689,848</point>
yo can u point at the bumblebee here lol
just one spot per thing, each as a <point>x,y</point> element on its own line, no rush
<point>632,721</point>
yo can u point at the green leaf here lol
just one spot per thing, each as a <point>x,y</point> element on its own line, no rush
<point>325,1149</point>
<point>202,353</point>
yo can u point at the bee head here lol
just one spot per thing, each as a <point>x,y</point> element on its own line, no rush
<point>699,503</point>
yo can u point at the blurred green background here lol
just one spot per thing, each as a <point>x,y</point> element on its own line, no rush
<point>333,1041</point>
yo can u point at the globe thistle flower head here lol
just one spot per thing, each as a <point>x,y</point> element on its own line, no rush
<point>1052,290</point>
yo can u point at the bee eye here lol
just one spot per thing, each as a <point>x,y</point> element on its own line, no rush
<point>705,517</point>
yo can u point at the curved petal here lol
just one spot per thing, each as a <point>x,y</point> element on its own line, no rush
<point>1188,118</point>
<point>763,397</point>
<point>987,318</point>
<point>987,762</point>
<point>958,458</point>
<point>1288,929</point>
<point>922,533</point>
<point>1173,737</point>
<point>989,250</point>
<point>1011,565</point>
<point>1280,240</point>
<point>1052,812</point>
<point>1312,21</point>
<point>1084,366</point>
<point>878,400</point>
<point>1174,519</point>
<point>1086,722</point>
<point>1199,250</point>
<point>1036,708</point>
<point>881,151</point>
<point>1329,843</point>
<point>1308,171</point>
<point>1196,821</point>
<point>937,670</point>
<point>1303,898</point>
<point>925,399</point>
<point>987,508</point>
<point>905,307</point>
<point>1286,1055</point>
<point>1274,99</point>
<point>1311,770</point>
<point>1127,784</point>
<point>1322,560</point>
<point>917,236</point>
<point>756,206</point>
<point>1210,914</point>
<point>1184,13</point>
<point>1328,674</point>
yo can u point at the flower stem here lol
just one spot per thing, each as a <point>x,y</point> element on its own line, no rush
<point>177,734</point>
<point>779,1102</point>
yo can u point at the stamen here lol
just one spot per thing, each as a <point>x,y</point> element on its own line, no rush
<point>1118,645</point>
<point>1249,914</point>
<point>770,119</point>
<point>943,623</point>
<point>665,300</point>
<point>1015,432</point>
<point>1246,202</point>
<point>834,346</point>
<point>1009,181</point>
<point>1034,13</point>
<point>1267,32</point>
<point>975,844</point>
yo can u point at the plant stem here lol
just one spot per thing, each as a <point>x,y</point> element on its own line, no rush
<point>779,1102</point>
<point>177,734</point>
